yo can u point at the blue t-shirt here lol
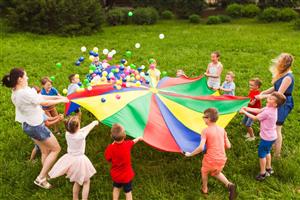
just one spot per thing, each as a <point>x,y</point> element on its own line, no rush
<point>52,92</point>
<point>229,85</point>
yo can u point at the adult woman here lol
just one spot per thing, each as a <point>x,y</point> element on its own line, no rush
<point>29,112</point>
<point>283,82</point>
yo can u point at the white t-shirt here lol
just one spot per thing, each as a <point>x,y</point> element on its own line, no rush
<point>27,103</point>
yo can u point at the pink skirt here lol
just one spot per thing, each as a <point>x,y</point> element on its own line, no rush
<point>77,168</point>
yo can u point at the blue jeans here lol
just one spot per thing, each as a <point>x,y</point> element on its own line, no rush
<point>40,132</point>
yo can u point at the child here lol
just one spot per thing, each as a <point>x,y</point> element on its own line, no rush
<point>228,86</point>
<point>213,72</point>
<point>153,72</point>
<point>74,80</point>
<point>118,153</point>
<point>216,141</point>
<point>49,91</point>
<point>268,135</point>
<point>254,84</point>
<point>75,164</point>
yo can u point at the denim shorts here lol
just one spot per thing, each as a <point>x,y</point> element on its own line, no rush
<point>247,121</point>
<point>264,148</point>
<point>127,187</point>
<point>40,132</point>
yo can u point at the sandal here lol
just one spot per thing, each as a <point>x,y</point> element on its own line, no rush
<point>42,183</point>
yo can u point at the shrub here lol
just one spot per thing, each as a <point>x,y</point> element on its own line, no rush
<point>224,18</point>
<point>117,16</point>
<point>213,20</point>
<point>250,10</point>
<point>194,18</point>
<point>145,16</point>
<point>167,14</point>
<point>234,10</point>
<point>297,24</point>
<point>287,14</point>
<point>270,15</point>
<point>64,17</point>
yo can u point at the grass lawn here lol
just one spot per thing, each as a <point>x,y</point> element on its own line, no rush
<point>246,48</point>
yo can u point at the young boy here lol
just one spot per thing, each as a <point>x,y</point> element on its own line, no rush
<point>118,153</point>
<point>74,80</point>
<point>254,85</point>
<point>268,135</point>
<point>228,87</point>
<point>216,141</point>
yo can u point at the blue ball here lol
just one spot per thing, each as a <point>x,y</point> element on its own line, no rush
<point>122,67</point>
<point>123,61</point>
<point>108,78</point>
<point>91,53</point>
<point>80,84</point>
<point>77,63</point>
<point>103,100</point>
<point>139,69</point>
<point>81,59</point>
<point>147,82</point>
<point>124,80</point>
<point>95,54</point>
<point>146,74</point>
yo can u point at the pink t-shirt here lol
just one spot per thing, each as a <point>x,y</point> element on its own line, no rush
<point>268,118</point>
<point>215,139</point>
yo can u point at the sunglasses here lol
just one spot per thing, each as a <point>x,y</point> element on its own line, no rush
<point>205,116</point>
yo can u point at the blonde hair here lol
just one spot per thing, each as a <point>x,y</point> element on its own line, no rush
<point>281,65</point>
<point>230,73</point>
<point>117,132</point>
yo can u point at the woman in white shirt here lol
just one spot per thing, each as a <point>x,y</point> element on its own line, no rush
<point>30,114</point>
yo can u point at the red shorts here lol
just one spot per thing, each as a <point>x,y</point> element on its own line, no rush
<point>213,167</point>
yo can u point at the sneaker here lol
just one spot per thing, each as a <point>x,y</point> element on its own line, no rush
<point>261,177</point>
<point>232,191</point>
<point>247,135</point>
<point>250,138</point>
<point>269,171</point>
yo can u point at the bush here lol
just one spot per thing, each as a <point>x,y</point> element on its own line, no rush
<point>145,16</point>
<point>234,10</point>
<point>224,18</point>
<point>297,24</point>
<point>117,16</point>
<point>250,10</point>
<point>195,19</point>
<point>287,14</point>
<point>167,14</point>
<point>213,20</point>
<point>64,17</point>
<point>270,15</point>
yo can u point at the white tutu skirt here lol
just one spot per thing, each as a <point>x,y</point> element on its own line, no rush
<point>77,168</point>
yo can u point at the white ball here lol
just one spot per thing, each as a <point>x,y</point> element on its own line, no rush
<point>113,52</point>
<point>105,51</point>
<point>89,88</point>
<point>95,49</point>
<point>83,49</point>
<point>161,36</point>
<point>142,67</point>
<point>137,45</point>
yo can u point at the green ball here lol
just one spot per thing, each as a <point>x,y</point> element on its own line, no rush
<point>86,81</point>
<point>151,60</point>
<point>52,78</point>
<point>128,54</point>
<point>132,66</point>
<point>130,14</point>
<point>92,67</point>
<point>164,73</point>
<point>58,65</point>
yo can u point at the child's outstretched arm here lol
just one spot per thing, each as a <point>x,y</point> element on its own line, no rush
<point>89,127</point>
<point>199,149</point>
<point>244,111</point>
<point>138,139</point>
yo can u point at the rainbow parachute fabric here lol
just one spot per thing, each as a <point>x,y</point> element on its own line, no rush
<point>168,114</point>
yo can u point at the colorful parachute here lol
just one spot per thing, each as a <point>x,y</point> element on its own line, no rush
<point>168,114</point>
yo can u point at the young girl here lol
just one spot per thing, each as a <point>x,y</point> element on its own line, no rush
<point>216,141</point>
<point>48,90</point>
<point>75,164</point>
<point>213,72</point>
<point>118,153</point>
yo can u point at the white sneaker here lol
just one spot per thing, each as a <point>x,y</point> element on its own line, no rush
<point>250,138</point>
<point>247,135</point>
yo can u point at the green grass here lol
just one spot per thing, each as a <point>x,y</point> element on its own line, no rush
<point>246,48</point>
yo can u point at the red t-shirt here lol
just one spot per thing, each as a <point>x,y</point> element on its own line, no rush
<point>119,155</point>
<point>252,95</point>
